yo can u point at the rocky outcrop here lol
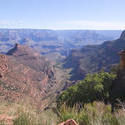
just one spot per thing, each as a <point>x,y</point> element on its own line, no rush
<point>118,87</point>
<point>26,75</point>
<point>69,122</point>
<point>3,65</point>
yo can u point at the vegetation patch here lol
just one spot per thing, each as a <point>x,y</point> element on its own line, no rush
<point>95,87</point>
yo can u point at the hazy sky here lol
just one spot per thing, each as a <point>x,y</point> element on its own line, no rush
<point>62,14</point>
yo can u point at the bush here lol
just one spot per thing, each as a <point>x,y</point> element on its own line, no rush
<point>95,87</point>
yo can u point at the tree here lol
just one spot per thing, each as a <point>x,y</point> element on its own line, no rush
<point>94,87</point>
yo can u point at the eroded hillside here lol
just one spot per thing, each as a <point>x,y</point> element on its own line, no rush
<point>28,75</point>
<point>94,58</point>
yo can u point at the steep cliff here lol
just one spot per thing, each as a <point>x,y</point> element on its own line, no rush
<point>94,58</point>
<point>27,75</point>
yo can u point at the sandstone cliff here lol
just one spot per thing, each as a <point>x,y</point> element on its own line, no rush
<point>25,75</point>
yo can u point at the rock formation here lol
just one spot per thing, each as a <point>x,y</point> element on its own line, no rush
<point>122,59</point>
<point>3,65</point>
<point>26,75</point>
<point>69,122</point>
<point>118,85</point>
<point>93,58</point>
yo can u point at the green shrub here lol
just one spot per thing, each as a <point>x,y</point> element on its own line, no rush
<point>95,87</point>
<point>68,113</point>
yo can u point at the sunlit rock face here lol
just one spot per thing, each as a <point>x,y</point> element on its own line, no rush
<point>68,122</point>
<point>3,65</point>
<point>25,74</point>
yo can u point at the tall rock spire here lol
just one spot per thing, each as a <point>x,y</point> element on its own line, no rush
<point>122,59</point>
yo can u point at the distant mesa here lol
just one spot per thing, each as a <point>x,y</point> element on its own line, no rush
<point>21,50</point>
<point>17,48</point>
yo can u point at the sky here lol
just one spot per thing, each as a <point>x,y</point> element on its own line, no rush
<point>63,14</point>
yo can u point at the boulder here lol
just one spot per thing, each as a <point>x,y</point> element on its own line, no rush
<point>68,122</point>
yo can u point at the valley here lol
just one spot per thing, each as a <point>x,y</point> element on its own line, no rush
<point>62,62</point>
<point>54,44</point>
<point>42,75</point>
<point>93,58</point>
<point>45,74</point>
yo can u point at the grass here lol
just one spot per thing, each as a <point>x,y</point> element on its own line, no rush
<point>96,113</point>
<point>25,114</point>
<point>34,118</point>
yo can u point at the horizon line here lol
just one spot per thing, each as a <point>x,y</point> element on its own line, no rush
<point>26,28</point>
